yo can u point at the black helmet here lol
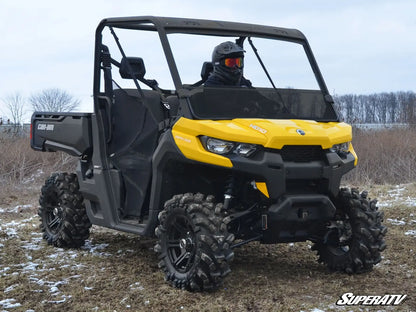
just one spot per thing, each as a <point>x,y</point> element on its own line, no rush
<point>226,49</point>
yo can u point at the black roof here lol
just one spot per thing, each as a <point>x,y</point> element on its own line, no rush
<point>202,26</point>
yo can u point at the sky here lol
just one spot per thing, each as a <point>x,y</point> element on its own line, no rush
<point>362,46</point>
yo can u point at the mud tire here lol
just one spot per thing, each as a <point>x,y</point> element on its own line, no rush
<point>63,218</point>
<point>362,250</point>
<point>193,244</point>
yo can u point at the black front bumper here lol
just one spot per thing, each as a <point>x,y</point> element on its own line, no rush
<point>281,176</point>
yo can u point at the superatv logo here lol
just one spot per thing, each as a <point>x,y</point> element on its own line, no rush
<point>351,299</point>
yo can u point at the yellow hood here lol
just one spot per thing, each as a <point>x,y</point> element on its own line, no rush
<point>269,133</point>
<point>279,133</point>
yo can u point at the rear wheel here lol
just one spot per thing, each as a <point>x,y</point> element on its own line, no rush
<point>355,238</point>
<point>64,221</point>
<point>193,243</point>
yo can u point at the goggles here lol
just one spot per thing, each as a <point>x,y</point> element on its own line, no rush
<point>234,62</point>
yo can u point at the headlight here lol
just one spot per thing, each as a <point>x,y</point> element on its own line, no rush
<point>245,150</point>
<point>219,146</point>
<point>340,148</point>
<point>222,147</point>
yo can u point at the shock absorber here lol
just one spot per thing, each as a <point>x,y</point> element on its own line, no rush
<point>229,191</point>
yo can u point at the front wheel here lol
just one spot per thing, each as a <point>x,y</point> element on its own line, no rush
<point>355,238</point>
<point>194,245</point>
<point>63,218</point>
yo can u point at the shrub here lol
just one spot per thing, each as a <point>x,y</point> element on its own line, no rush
<point>385,156</point>
<point>20,164</point>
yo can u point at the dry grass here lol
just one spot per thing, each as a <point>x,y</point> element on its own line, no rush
<point>21,167</point>
<point>384,156</point>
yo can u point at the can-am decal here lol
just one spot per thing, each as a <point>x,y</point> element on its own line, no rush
<point>46,127</point>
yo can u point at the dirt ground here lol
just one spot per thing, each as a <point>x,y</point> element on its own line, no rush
<point>118,272</point>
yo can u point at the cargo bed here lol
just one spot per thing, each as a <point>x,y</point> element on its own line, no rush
<point>67,132</point>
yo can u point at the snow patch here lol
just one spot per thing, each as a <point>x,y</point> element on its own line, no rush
<point>396,222</point>
<point>3,270</point>
<point>29,267</point>
<point>95,249</point>
<point>136,286</point>
<point>64,299</point>
<point>21,208</point>
<point>411,233</point>
<point>54,289</point>
<point>395,197</point>
<point>9,304</point>
<point>33,177</point>
<point>30,246</point>
<point>10,228</point>
<point>10,288</point>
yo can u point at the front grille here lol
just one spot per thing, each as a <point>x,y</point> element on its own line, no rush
<point>301,153</point>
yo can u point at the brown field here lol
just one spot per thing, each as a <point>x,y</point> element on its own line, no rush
<point>118,272</point>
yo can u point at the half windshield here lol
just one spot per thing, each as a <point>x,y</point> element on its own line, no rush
<point>267,103</point>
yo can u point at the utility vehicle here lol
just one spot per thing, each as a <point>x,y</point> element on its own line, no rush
<point>207,169</point>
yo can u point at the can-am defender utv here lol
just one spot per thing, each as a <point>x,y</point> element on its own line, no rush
<point>207,169</point>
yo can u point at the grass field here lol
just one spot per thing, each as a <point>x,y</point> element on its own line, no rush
<point>118,272</point>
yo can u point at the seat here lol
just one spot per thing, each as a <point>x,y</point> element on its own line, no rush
<point>207,68</point>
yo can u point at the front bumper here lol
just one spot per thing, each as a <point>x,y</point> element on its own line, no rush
<point>282,176</point>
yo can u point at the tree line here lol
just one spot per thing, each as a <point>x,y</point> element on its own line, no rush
<point>379,108</point>
<point>48,100</point>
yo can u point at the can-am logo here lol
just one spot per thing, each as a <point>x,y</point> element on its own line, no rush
<point>300,132</point>
<point>351,299</point>
<point>46,127</point>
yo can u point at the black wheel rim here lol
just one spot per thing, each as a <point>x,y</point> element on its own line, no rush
<point>181,245</point>
<point>53,218</point>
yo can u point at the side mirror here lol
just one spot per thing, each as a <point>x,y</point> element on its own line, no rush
<point>132,67</point>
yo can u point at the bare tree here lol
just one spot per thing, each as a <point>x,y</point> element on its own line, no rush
<point>53,100</point>
<point>15,104</point>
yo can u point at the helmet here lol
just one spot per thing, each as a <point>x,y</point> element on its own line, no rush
<point>228,73</point>
<point>226,49</point>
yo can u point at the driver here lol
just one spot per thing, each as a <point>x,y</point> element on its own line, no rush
<point>228,62</point>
